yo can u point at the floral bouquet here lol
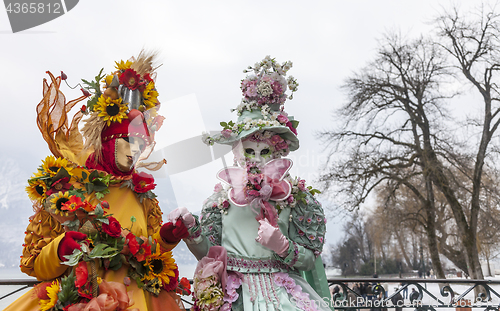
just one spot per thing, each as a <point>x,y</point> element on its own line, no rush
<point>213,288</point>
<point>73,195</point>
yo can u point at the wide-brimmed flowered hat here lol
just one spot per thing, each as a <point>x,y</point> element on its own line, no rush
<point>262,106</point>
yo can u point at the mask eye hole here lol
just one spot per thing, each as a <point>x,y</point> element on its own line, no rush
<point>264,151</point>
<point>133,140</point>
<point>250,151</point>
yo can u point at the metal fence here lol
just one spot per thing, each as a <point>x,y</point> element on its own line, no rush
<point>456,294</point>
<point>417,294</point>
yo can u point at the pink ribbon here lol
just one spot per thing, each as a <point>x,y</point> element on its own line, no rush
<point>273,188</point>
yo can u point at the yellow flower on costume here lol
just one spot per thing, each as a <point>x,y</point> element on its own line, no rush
<point>108,79</point>
<point>111,110</point>
<point>36,190</point>
<point>161,266</point>
<point>51,165</point>
<point>57,201</point>
<point>123,65</point>
<point>52,291</point>
<point>150,95</point>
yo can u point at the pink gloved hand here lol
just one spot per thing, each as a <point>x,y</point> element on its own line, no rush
<point>272,238</point>
<point>182,213</point>
<point>69,243</point>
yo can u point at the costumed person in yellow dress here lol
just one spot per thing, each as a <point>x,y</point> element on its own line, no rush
<point>96,240</point>
<point>260,234</point>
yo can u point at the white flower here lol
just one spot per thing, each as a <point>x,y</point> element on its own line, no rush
<point>206,139</point>
<point>264,88</point>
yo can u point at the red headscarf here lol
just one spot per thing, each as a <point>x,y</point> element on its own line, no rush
<point>126,128</point>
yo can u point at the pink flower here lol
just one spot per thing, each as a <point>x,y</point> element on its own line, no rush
<point>290,126</point>
<point>227,133</point>
<point>282,119</point>
<point>276,139</point>
<point>218,187</point>
<point>301,185</point>
<point>290,199</point>
<point>225,204</point>
<point>254,193</point>
<point>282,145</point>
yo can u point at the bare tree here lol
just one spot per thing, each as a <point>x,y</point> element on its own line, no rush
<point>473,42</point>
<point>392,128</point>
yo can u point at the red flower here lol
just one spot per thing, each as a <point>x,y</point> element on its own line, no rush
<point>130,78</point>
<point>113,229</point>
<point>85,92</point>
<point>73,204</point>
<point>184,287</point>
<point>81,273</point>
<point>83,108</point>
<point>143,182</point>
<point>143,252</point>
<point>133,245</point>
<point>60,185</point>
<point>174,281</point>
<point>41,290</point>
<point>148,78</point>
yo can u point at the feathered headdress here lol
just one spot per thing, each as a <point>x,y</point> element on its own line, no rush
<point>126,106</point>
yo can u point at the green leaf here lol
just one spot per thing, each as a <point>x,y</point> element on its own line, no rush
<point>89,187</point>
<point>133,219</point>
<point>68,293</point>
<point>72,225</point>
<point>103,251</point>
<point>223,124</point>
<point>73,259</point>
<point>84,175</point>
<point>104,220</point>
<point>98,211</point>
<point>93,176</point>
<point>295,123</point>
<point>61,173</point>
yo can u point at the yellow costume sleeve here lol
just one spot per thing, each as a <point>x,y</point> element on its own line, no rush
<point>40,233</point>
<point>154,217</point>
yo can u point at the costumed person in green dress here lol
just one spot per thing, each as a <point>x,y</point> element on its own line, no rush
<point>96,240</point>
<point>260,235</point>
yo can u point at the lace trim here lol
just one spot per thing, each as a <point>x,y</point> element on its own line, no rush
<point>247,265</point>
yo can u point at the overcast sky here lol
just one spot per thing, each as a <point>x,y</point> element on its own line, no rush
<point>203,46</point>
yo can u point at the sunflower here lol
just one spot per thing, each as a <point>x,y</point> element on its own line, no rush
<point>52,291</point>
<point>150,95</point>
<point>51,165</point>
<point>153,286</point>
<point>160,266</point>
<point>36,190</point>
<point>111,110</point>
<point>57,201</point>
<point>123,65</point>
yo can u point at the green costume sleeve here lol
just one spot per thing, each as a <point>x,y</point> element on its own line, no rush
<point>211,227</point>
